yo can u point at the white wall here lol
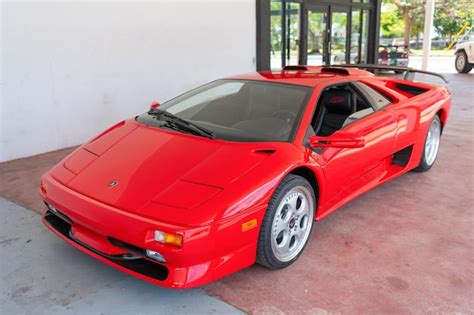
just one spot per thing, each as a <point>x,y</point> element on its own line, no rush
<point>71,69</point>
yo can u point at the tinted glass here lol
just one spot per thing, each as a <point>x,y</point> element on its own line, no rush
<point>238,110</point>
<point>375,98</point>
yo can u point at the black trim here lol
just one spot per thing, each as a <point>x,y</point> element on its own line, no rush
<point>126,256</point>
<point>413,90</point>
<point>409,72</point>
<point>295,68</point>
<point>284,38</point>
<point>374,33</point>
<point>334,70</point>
<point>402,157</point>
<point>128,247</point>
<point>128,260</point>
<point>263,34</point>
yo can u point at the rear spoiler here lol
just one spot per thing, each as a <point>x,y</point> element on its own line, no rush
<point>409,73</point>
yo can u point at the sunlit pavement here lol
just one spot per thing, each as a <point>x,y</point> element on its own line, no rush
<point>443,64</point>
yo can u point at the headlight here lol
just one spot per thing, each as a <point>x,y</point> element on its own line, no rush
<point>169,238</point>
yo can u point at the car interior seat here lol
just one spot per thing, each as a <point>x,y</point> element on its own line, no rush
<point>336,106</point>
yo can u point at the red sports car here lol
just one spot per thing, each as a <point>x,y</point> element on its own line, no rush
<point>237,171</point>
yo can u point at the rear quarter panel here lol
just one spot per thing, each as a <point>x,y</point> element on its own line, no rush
<point>414,116</point>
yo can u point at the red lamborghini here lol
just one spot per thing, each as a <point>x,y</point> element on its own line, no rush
<point>237,171</point>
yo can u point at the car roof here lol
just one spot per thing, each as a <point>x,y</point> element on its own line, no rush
<point>304,75</point>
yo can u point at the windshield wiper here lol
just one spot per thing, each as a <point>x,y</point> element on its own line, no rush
<point>181,124</point>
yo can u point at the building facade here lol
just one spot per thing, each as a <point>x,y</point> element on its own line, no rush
<point>72,69</point>
<point>316,32</point>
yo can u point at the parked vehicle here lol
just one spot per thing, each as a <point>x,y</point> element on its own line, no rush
<point>464,57</point>
<point>237,171</point>
<point>391,56</point>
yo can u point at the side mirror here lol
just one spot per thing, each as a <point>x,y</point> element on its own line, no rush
<point>339,139</point>
<point>154,105</point>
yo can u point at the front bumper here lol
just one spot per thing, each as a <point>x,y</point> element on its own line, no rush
<point>119,239</point>
<point>130,262</point>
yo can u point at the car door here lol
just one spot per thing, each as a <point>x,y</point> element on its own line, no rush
<point>350,171</point>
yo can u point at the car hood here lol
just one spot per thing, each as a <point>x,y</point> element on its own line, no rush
<point>132,165</point>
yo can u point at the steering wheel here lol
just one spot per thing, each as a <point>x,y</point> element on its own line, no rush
<point>285,115</point>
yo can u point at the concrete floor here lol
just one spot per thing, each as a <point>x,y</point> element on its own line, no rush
<point>44,275</point>
<point>405,247</point>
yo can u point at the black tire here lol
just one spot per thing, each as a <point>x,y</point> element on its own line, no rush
<point>265,254</point>
<point>461,63</point>
<point>424,166</point>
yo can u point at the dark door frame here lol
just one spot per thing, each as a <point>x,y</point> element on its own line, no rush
<point>303,52</point>
<point>263,28</point>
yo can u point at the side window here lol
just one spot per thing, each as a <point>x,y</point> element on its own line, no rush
<point>376,99</point>
<point>339,106</point>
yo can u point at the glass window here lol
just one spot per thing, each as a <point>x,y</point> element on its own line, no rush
<point>338,36</point>
<point>364,36</point>
<point>239,110</point>
<point>276,34</point>
<point>359,36</point>
<point>375,98</point>
<point>284,33</point>
<point>355,36</point>
<point>293,33</point>
<point>317,44</point>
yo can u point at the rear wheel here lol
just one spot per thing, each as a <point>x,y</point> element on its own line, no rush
<point>287,223</point>
<point>462,65</point>
<point>430,151</point>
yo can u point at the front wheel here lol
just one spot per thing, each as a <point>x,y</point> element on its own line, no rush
<point>461,63</point>
<point>287,223</point>
<point>430,151</point>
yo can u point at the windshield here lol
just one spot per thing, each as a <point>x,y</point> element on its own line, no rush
<point>239,110</point>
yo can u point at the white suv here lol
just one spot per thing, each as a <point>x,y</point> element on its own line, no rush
<point>464,57</point>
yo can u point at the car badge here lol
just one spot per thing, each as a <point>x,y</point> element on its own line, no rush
<point>336,99</point>
<point>112,184</point>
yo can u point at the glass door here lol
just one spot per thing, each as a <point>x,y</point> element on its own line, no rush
<point>359,35</point>
<point>317,35</point>
<point>284,33</point>
<point>327,35</point>
<point>338,39</point>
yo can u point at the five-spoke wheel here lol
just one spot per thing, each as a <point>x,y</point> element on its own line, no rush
<point>287,223</point>
<point>291,225</point>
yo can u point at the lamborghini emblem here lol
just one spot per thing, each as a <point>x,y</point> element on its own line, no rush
<point>112,184</point>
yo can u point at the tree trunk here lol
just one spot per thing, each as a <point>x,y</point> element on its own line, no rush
<point>408,27</point>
